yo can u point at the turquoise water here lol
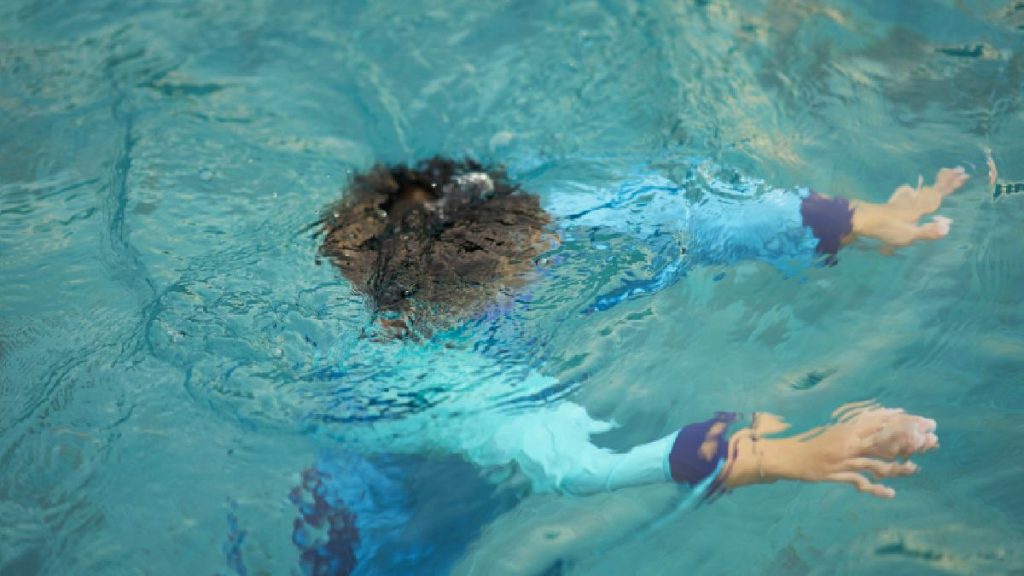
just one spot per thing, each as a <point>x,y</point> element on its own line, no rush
<point>166,339</point>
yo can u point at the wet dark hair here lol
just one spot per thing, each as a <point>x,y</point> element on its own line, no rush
<point>437,241</point>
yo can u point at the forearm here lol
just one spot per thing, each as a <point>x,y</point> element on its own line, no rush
<point>595,469</point>
<point>693,455</point>
<point>703,455</point>
<point>866,439</point>
<point>696,455</point>
<point>553,448</point>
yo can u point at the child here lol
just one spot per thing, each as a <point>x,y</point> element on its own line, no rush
<point>434,245</point>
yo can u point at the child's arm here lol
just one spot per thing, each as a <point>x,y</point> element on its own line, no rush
<point>868,439</point>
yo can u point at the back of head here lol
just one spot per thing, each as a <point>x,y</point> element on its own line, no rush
<point>436,242</point>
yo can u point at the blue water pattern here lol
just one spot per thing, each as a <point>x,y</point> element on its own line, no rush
<point>184,390</point>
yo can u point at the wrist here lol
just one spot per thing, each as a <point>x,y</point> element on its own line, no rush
<point>782,459</point>
<point>764,461</point>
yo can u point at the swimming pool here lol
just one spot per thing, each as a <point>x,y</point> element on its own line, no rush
<point>164,329</point>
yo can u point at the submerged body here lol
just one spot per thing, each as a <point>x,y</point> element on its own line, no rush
<point>405,249</point>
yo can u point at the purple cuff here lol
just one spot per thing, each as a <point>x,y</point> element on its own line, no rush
<point>685,461</point>
<point>830,220</point>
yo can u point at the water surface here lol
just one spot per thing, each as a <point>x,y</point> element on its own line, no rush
<point>162,320</point>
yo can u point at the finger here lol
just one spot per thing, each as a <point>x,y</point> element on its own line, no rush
<point>926,425</point>
<point>903,440</point>
<point>810,434</point>
<point>877,420</point>
<point>903,196</point>
<point>922,435</point>
<point>937,228</point>
<point>851,409</point>
<point>958,171</point>
<point>891,440</point>
<point>951,179</point>
<point>881,468</point>
<point>768,424</point>
<point>862,484</point>
<point>913,441</point>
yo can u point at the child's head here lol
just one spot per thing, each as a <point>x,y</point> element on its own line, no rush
<point>436,241</point>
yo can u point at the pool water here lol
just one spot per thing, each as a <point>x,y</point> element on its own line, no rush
<point>172,358</point>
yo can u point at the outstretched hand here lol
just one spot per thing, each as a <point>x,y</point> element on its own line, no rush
<point>867,439</point>
<point>896,223</point>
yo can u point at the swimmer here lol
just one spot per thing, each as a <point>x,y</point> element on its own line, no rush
<point>437,244</point>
